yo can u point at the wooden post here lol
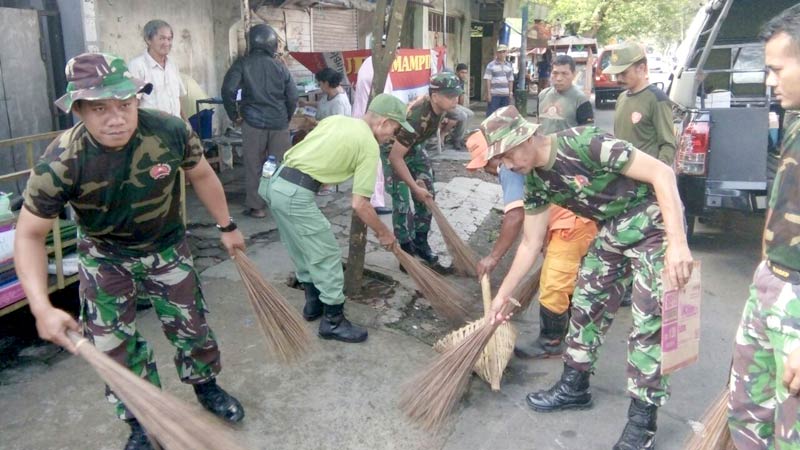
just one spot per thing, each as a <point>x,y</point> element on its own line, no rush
<point>382,59</point>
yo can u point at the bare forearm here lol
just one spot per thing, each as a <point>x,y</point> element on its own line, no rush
<point>509,231</point>
<point>366,213</point>
<point>399,167</point>
<point>210,192</point>
<point>527,252</point>
<point>669,202</point>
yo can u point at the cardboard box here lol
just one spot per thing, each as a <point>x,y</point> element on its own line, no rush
<point>680,323</point>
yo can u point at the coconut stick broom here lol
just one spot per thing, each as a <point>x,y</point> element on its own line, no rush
<point>431,396</point>
<point>442,296</point>
<point>465,260</point>
<point>175,424</point>
<point>287,337</point>
<point>715,434</point>
<point>498,351</point>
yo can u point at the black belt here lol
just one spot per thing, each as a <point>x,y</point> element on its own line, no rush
<point>299,178</point>
<point>784,273</point>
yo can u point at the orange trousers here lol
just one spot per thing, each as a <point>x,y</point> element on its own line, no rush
<point>565,251</point>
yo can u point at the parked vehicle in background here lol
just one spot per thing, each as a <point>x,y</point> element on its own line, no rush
<point>605,88</point>
<point>655,63</point>
<point>728,131</point>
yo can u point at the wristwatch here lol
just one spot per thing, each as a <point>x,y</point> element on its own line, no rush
<point>227,228</point>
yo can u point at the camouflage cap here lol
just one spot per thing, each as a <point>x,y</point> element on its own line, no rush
<point>446,83</point>
<point>624,56</point>
<point>99,76</point>
<point>505,129</point>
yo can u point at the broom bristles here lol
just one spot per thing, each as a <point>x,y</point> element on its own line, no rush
<point>715,434</point>
<point>175,424</point>
<point>431,396</point>
<point>441,294</point>
<point>465,260</point>
<point>287,337</point>
<point>527,289</point>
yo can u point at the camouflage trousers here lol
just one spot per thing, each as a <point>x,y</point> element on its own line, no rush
<point>407,223</point>
<point>762,414</point>
<point>628,248</point>
<point>109,287</point>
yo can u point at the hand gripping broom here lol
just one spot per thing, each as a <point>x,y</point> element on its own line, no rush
<point>465,260</point>
<point>287,337</point>
<point>443,297</point>
<point>175,424</point>
<point>497,352</point>
<point>430,397</point>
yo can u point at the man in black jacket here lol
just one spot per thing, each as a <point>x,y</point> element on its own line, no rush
<point>268,101</point>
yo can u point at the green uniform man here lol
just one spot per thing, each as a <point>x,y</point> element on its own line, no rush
<point>339,148</point>
<point>118,170</point>
<point>765,376</point>
<point>409,175</point>
<point>634,199</point>
<point>643,115</point>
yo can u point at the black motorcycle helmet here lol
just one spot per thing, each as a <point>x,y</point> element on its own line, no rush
<point>263,37</point>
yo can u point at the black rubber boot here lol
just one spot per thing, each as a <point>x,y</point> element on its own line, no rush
<point>640,431</point>
<point>553,329</point>
<point>423,250</point>
<point>334,325</point>
<point>313,308</point>
<point>570,392</point>
<point>627,301</point>
<point>138,439</point>
<point>407,247</point>
<point>219,402</point>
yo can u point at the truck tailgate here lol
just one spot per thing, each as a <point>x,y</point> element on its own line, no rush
<point>738,153</point>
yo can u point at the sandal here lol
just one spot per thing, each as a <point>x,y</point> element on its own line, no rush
<point>255,213</point>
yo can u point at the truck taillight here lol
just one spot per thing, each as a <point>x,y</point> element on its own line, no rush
<point>693,149</point>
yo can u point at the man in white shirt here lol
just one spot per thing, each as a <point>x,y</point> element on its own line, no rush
<point>156,68</point>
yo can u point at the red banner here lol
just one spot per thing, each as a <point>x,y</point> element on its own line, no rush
<point>411,70</point>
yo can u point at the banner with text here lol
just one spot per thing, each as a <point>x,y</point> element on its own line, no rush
<point>410,72</point>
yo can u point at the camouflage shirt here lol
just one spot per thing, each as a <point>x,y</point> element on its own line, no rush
<point>425,122</point>
<point>126,201</point>
<point>584,175</point>
<point>782,230</point>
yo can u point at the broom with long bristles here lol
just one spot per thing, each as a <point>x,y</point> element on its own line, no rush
<point>498,351</point>
<point>442,296</point>
<point>287,337</point>
<point>175,424</point>
<point>715,434</point>
<point>465,260</point>
<point>431,396</point>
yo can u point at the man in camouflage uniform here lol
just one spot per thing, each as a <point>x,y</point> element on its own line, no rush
<point>765,375</point>
<point>635,200</point>
<point>409,174</point>
<point>118,169</point>
<point>561,106</point>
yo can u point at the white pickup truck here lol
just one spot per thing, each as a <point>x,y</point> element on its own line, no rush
<point>729,123</point>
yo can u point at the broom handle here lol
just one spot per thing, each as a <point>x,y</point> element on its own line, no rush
<point>486,290</point>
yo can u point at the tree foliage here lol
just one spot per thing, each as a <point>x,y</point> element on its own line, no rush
<point>661,20</point>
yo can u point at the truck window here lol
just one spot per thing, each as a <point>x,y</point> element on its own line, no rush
<point>750,59</point>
